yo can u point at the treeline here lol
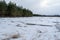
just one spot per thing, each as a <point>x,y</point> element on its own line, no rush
<point>46,15</point>
<point>12,10</point>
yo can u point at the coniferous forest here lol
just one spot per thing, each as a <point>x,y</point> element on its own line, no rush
<point>12,10</point>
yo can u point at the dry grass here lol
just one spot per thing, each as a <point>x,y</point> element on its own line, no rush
<point>15,36</point>
<point>12,36</point>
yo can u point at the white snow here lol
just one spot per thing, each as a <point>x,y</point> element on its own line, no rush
<point>30,28</point>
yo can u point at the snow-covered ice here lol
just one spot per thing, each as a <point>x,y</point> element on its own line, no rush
<point>30,28</point>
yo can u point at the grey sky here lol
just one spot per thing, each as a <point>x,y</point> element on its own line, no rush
<point>40,6</point>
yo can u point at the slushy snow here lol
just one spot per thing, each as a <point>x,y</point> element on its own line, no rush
<point>30,28</point>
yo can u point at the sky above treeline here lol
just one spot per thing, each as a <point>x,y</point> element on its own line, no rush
<point>44,7</point>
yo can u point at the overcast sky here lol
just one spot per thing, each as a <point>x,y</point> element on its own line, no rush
<point>40,6</point>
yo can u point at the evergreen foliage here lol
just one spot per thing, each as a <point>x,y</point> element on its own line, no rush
<point>12,10</point>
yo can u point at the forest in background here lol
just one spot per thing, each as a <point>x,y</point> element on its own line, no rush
<point>12,10</point>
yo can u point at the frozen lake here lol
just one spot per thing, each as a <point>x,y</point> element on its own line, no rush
<point>30,28</point>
